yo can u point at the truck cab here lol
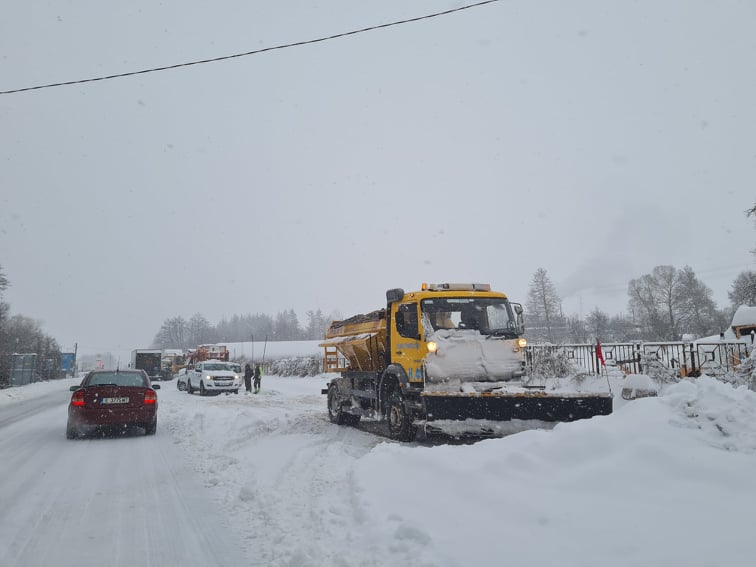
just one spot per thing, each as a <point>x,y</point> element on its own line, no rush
<point>455,333</point>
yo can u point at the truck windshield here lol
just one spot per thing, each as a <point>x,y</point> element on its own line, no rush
<point>488,315</point>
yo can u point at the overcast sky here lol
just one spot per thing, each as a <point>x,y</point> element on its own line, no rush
<point>595,140</point>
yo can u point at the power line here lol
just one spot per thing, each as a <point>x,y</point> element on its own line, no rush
<point>255,52</point>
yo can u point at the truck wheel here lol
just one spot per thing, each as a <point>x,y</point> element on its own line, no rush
<point>399,424</point>
<point>335,411</point>
<point>189,388</point>
<point>203,392</point>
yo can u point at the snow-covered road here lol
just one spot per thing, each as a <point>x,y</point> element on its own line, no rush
<point>120,501</point>
<point>267,480</point>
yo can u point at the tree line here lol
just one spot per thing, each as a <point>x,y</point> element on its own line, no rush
<point>19,334</point>
<point>663,305</point>
<point>179,332</point>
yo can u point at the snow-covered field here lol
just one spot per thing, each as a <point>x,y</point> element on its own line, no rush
<point>661,481</point>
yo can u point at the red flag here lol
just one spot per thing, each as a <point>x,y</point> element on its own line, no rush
<point>599,354</point>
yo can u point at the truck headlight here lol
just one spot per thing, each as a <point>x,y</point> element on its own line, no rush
<point>209,377</point>
<point>432,346</point>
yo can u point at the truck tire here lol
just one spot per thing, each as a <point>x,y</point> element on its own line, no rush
<point>335,410</point>
<point>398,419</point>
<point>189,389</point>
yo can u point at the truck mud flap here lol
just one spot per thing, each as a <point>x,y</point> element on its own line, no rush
<point>544,407</point>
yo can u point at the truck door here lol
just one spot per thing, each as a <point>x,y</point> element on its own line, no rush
<point>405,340</point>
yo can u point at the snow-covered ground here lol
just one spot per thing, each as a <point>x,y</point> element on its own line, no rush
<point>661,481</point>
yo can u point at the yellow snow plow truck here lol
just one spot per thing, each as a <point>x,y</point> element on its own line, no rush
<point>448,358</point>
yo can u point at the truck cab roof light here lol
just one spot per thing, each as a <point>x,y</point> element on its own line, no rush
<point>456,287</point>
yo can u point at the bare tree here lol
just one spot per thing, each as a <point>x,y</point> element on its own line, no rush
<point>597,323</point>
<point>544,304</point>
<point>669,302</point>
<point>173,334</point>
<point>644,305</point>
<point>743,290</point>
<point>200,331</point>
<point>4,310</point>
<point>3,282</point>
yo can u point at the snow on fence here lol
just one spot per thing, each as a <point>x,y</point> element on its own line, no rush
<point>715,358</point>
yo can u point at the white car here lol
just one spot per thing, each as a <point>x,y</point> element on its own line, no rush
<point>211,376</point>
<point>181,379</point>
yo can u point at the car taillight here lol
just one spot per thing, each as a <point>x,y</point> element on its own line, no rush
<point>78,398</point>
<point>150,397</point>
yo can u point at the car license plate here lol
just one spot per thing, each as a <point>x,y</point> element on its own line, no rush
<point>115,400</point>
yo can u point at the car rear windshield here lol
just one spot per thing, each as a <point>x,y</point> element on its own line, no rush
<point>116,378</point>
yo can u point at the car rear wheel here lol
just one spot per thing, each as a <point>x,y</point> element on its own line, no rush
<point>150,428</point>
<point>71,432</point>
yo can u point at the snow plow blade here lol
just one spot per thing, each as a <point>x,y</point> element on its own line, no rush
<point>504,407</point>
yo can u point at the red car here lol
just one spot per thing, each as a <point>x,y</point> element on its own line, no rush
<point>113,399</point>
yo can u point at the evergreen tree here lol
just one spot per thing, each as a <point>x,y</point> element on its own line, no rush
<point>698,311</point>
<point>316,325</point>
<point>544,304</point>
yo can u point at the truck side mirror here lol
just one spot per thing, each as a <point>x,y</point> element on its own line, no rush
<point>394,295</point>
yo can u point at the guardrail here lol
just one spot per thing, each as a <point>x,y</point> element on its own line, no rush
<point>686,358</point>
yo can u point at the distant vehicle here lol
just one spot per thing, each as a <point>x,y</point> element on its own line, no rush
<point>113,399</point>
<point>149,360</point>
<point>171,362</point>
<point>211,376</point>
<point>181,379</point>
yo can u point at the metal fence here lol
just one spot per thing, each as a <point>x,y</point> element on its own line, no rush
<point>686,358</point>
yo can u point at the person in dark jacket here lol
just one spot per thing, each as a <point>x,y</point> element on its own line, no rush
<point>248,377</point>
<point>258,377</point>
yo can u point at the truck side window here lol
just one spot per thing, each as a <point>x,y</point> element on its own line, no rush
<point>407,324</point>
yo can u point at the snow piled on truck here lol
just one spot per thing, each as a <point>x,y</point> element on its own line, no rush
<point>466,355</point>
